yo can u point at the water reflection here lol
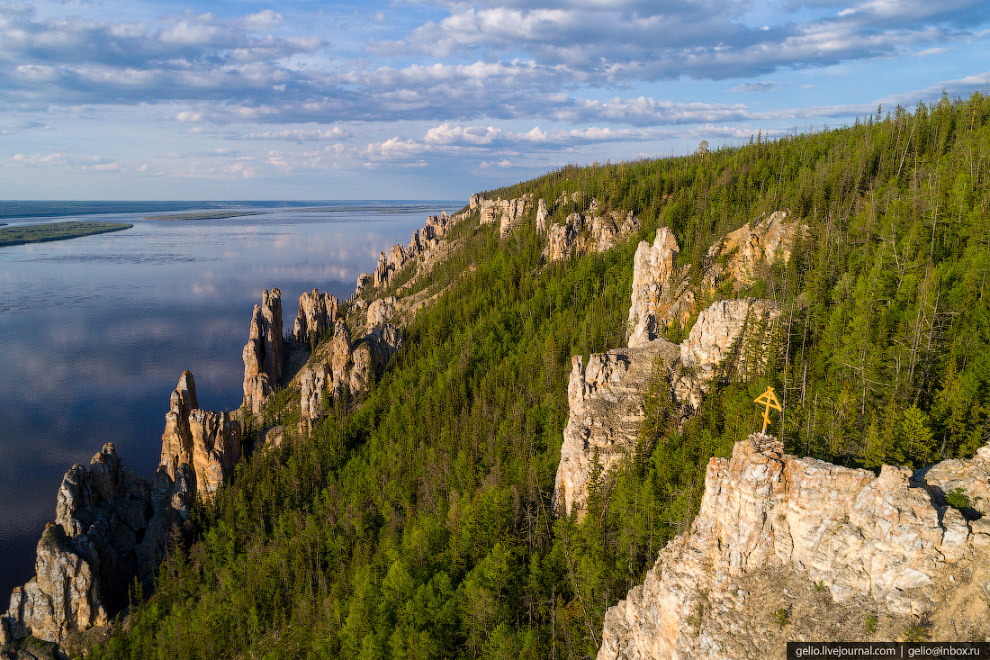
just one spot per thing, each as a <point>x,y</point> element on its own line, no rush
<point>96,331</point>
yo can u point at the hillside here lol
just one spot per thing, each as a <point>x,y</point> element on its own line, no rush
<point>415,513</point>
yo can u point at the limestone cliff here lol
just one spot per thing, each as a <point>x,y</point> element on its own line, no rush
<point>109,528</point>
<point>317,313</point>
<point>208,442</point>
<point>605,397</point>
<point>662,292</point>
<point>778,534</point>
<point>593,230</point>
<point>606,410</point>
<point>508,213</point>
<point>263,358</point>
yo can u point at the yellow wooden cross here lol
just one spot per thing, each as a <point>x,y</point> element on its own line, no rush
<point>770,400</point>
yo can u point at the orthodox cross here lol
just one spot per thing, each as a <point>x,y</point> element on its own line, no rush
<point>770,400</point>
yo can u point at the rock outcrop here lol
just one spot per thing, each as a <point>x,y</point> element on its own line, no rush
<point>263,356</point>
<point>509,213</point>
<point>381,310</point>
<point>775,533</point>
<point>317,313</point>
<point>660,290</point>
<point>590,231</point>
<point>207,442</point>
<point>606,410</point>
<point>340,368</point>
<point>740,255</point>
<point>730,340</point>
<point>662,293</point>
<point>109,528</point>
<point>423,245</point>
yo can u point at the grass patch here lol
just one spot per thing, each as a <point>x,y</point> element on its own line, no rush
<point>56,231</point>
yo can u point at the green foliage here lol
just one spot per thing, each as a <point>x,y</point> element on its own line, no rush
<point>957,499</point>
<point>870,624</point>
<point>56,231</point>
<point>418,522</point>
<point>782,616</point>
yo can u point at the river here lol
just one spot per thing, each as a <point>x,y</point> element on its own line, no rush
<point>95,331</point>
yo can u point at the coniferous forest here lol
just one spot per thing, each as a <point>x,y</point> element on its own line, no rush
<point>418,522</point>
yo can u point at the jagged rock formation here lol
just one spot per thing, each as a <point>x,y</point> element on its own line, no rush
<point>508,213</point>
<point>424,243</point>
<point>381,311</point>
<point>591,231</point>
<point>262,354</point>
<point>731,337</point>
<point>606,410</point>
<point>662,292</point>
<point>541,216</point>
<point>776,532</point>
<point>208,442</point>
<point>605,397</point>
<point>317,313</point>
<point>109,528</point>
<point>340,368</point>
<point>748,248</point>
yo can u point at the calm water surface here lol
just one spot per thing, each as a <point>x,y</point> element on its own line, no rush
<point>96,330</point>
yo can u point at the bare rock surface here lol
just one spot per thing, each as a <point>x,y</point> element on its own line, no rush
<point>774,529</point>
<point>606,409</point>
<point>110,527</point>
<point>752,246</point>
<point>317,313</point>
<point>263,354</point>
<point>206,441</point>
<point>660,290</point>
<point>591,231</point>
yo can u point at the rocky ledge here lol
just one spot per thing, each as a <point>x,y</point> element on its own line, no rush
<point>109,528</point>
<point>780,539</point>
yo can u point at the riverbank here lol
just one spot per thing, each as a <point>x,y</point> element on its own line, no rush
<point>56,231</point>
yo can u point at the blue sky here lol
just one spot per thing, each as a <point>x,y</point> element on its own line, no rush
<point>439,98</point>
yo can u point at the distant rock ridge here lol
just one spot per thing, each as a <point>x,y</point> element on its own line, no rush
<point>776,533</point>
<point>593,230</point>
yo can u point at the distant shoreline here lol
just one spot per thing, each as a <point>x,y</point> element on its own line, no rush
<point>56,231</point>
<point>202,215</point>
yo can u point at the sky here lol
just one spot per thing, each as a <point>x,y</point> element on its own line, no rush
<point>437,99</point>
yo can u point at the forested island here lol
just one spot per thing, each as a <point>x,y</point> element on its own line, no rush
<point>201,215</point>
<point>400,492</point>
<point>56,231</point>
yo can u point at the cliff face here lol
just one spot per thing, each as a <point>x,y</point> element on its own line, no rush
<point>109,528</point>
<point>263,356</point>
<point>777,533</point>
<point>729,340</point>
<point>593,230</point>
<point>605,398</point>
<point>207,442</point>
<point>662,292</point>
<point>317,313</point>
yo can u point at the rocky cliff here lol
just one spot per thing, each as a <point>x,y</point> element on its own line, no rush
<point>109,528</point>
<point>207,442</point>
<point>263,355</point>
<point>605,397</point>
<point>317,313</point>
<point>779,540</point>
<point>663,293</point>
<point>593,230</point>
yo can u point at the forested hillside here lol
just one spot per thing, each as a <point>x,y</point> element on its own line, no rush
<point>418,522</point>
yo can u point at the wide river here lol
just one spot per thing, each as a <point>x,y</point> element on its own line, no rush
<point>95,331</point>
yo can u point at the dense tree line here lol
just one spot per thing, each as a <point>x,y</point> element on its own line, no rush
<point>418,522</point>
